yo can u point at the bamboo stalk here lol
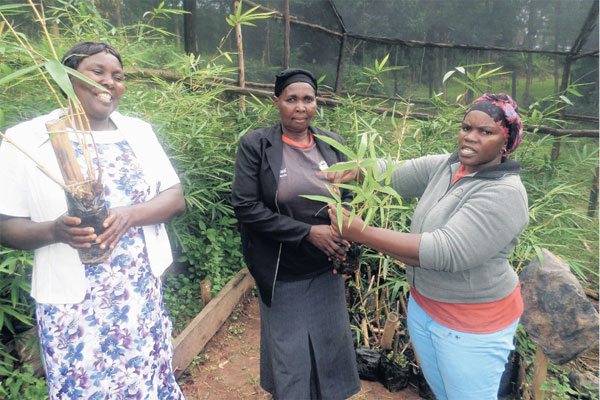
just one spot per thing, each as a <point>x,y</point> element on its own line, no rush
<point>42,22</point>
<point>365,332</point>
<point>30,52</point>
<point>389,330</point>
<point>79,122</point>
<point>240,48</point>
<point>63,149</point>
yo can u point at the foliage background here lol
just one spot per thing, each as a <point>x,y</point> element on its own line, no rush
<point>199,123</point>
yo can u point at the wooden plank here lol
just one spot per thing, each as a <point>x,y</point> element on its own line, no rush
<point>194,337</point>
<point>540,371</point>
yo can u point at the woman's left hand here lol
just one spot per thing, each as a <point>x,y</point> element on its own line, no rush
<point>161,208</point>
<point>119,220</point>
<point>352,232</point>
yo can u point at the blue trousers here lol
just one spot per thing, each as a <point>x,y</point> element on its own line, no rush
<point>459,365</point>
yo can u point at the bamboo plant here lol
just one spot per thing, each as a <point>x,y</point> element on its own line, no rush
<point>84,187</point>
<point>84,190</point>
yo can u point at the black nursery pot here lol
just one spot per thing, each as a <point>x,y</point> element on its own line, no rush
<point>91,214</point>
<point>352,261</point>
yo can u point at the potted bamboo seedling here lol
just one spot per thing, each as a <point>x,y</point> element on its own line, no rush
<point>381,356</point>
<point>68,135</point>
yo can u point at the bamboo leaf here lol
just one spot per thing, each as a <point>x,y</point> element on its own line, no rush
<point>338,146</point>
<point>322,199</point>
<point>352,188</point>
<point>370,215</point>
<point>362,147</point>
<point>340,217</point>
<point>84,78</point>
<point>566,100</point>
<point>448,75</point>
<point>60,77</point>
<point>343,166</point>
<point>12,7</point>
<point>19,73</point>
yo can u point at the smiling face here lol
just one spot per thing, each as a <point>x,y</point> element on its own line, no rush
<point>105,69</point>
<point>480,141</point>
<point>297,105</point>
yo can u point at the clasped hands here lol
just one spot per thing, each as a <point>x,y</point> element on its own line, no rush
<point>67,230</point>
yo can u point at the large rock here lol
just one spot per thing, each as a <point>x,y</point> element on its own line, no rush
<point>558,316</point>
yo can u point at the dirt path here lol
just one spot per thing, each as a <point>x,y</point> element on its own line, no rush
<point>228,368</point>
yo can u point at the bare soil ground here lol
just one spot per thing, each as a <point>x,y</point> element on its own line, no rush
<point>228,368</point>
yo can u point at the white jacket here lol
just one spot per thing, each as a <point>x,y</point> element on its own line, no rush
<point>58,275</point>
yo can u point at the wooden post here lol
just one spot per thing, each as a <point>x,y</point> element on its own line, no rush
<point>340,67</point>
<point>593,204</point>
<point>118,13</point>
<point>339,73</point>
<point>430,71</point>
<point>190,42</point>
<point>513,86</point>
<point>540,370</point>
<point>203,327</point>
<point>240,48</point>
<point>286,36</point>
<point>389,330</point>
<point>396,51</point>
<point>205,291</point>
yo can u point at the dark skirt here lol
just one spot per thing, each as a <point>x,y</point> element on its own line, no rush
<point>306,349</point>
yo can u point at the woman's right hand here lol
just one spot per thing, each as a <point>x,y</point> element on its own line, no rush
<point>66,229</point>
<point>326,239</point>
<point>344,176</point>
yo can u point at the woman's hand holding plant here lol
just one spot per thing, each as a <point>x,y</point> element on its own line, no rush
<point>328,240</point>
<point>66,229</point>
<point>117,223</point>
<point>351,230</point>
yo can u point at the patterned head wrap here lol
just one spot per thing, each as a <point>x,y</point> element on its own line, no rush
<point>501,107</point>
<point>289,76</point>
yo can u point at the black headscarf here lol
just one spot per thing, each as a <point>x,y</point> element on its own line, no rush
<point>292,75</point>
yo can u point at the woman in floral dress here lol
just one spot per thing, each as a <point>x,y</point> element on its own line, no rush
<point>103,328</point>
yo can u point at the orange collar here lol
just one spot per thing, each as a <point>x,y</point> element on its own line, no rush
<point>289,141</point>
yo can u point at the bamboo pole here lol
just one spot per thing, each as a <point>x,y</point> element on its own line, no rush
<point>286,34</point>
<point>593,202</point>
<point>339,72</point>
<point>240,48</point>
<point>63,149</point>
<point>389,330</point>
<point>365,332</point>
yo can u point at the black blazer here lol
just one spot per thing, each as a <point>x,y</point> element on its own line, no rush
<point>262,226</point>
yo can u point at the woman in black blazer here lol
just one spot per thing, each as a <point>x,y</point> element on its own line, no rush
<point>289,247</point>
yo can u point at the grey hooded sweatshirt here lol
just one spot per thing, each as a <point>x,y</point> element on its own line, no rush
<point>469,228</point>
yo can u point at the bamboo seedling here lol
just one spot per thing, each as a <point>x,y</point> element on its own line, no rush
<point>84,192</point>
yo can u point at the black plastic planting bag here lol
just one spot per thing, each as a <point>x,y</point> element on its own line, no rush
<point>367,361</point>
<point>373,365</point>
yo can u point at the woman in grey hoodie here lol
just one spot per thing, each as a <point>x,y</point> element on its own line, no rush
<point>465,298</point>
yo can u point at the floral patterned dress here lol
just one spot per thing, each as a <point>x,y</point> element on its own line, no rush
<point>116,343</point>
